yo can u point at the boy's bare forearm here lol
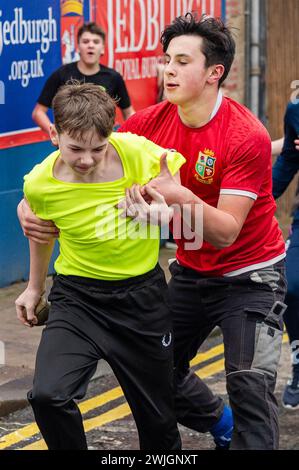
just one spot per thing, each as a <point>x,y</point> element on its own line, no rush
<point>39,115</point>
<point>33,227</point>
<point>40,256</point>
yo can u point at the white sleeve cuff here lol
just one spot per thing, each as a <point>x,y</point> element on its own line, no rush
<point>239,192</point>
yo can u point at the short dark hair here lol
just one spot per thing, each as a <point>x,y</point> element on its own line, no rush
<point>81,107</point>
<point>92,28</point>
<point>218,44</point>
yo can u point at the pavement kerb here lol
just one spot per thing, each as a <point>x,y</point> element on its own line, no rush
<point>13,397</point>
<point>13,394</point>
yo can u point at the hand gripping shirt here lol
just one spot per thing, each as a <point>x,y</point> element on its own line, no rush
<point>94,240</point>
<point>231,154</point>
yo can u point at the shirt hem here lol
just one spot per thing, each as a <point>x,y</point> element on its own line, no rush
<point>253,267</point>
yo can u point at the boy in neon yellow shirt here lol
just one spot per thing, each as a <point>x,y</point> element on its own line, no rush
<point>109,299</point>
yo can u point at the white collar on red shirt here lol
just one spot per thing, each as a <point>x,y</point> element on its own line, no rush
<point>217,105</point>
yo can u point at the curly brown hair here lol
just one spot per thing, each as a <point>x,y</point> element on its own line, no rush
<point>218,45</point>
<point>92,28</point>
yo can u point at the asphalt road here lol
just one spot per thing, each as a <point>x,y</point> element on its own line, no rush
<point>109,424</point>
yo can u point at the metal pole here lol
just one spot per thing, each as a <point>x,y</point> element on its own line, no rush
<point>255,56</point>
<point>247,52</point>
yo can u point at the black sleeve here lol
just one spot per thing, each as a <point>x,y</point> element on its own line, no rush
<point>287,163</point>
<point>122,93</point>
<point>50,89</point>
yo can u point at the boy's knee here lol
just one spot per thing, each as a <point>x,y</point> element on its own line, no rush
<point>39,396</point>
<point>245,386</point>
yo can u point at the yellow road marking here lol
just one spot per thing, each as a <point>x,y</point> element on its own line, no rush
<point>116,413</point>
<point>201,357</point>
<point>123,410</point>
<point>30,430</point>
<point>211,369</point>
<point>100,400</point>
<point>285,338</point>
<point>21,434</point>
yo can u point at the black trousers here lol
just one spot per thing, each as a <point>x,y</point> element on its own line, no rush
<point>291,316</point>
<point>241,307</point>
<point>128,324</point>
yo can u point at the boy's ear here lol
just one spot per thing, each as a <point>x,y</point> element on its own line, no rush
<point>53,135</point>
<point>103,47</point>
<point>216,73</point>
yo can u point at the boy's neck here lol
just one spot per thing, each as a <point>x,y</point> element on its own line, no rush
<point>87,69</point>
<point>198,113</point>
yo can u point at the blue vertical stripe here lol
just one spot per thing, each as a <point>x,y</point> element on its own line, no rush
<point>86,11</point>
<point>223,9</point>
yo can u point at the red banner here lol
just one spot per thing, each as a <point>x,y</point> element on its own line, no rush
<point>133,48</point>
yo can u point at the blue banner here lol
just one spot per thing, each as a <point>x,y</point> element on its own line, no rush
<point>30,50</point>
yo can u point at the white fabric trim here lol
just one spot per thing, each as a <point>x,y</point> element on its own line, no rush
<point>239,192</point>
<point>253,267</point>
<point>171,260</point>
<point>217,105</point>
<point>255,371</point>
<point>22,131</point>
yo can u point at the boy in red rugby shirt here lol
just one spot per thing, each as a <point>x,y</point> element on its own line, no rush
<point>236,279</point>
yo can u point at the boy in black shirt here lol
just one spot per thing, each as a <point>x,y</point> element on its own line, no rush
<point>91,41</point>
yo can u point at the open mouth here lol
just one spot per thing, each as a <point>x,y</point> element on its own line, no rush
<point>171,86</point>
<point>83,169</point>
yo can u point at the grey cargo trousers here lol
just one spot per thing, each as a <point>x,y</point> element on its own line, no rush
<point>248,308</point>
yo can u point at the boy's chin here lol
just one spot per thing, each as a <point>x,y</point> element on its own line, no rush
<point>174,99</point>
<point>83,171</point>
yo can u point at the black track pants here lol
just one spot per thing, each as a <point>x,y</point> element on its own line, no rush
<point>128,324</point>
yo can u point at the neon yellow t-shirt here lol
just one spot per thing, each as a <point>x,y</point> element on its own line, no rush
<point>94,241</point>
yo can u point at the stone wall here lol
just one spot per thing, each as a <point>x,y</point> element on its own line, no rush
<point>235,83</point>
